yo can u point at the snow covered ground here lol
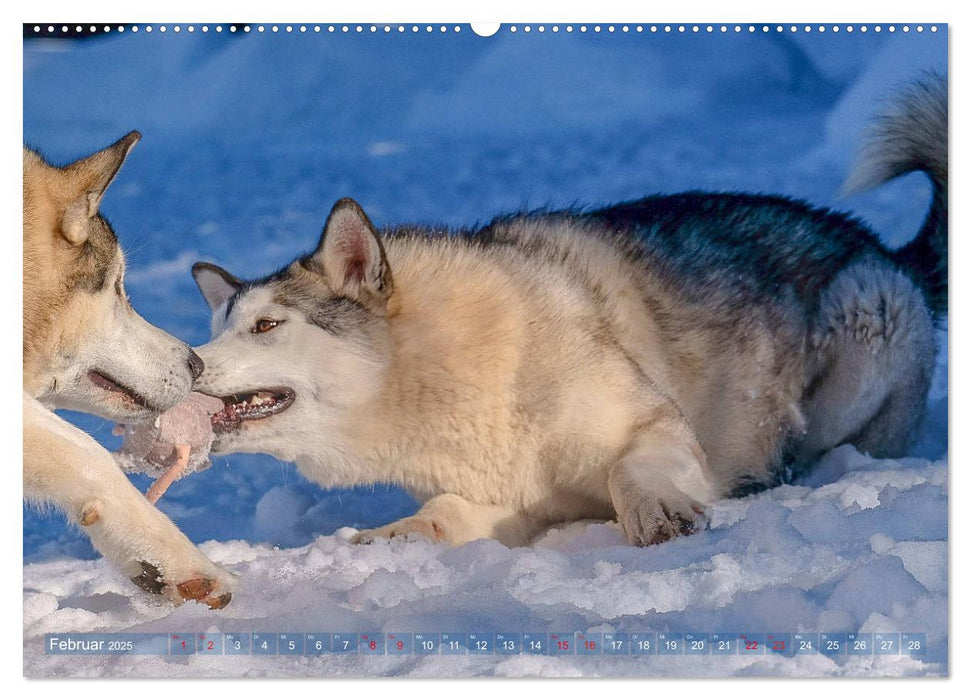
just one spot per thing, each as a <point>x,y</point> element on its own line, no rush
<point>248,140</point>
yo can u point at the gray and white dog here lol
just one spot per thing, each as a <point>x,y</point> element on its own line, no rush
<point>634,362</point>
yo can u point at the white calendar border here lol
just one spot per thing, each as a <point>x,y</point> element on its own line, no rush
<point>829,11</point>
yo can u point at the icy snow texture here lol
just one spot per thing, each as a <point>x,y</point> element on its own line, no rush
<point>791,559</point>
<point>248,140</point>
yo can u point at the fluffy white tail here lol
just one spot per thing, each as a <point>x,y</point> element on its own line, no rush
<point>912,136</point>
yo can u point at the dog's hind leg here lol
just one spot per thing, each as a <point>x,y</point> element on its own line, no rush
<point>872,357</point>
<point>660,486</point>
<point>452,519</point>
<point>65,467</point>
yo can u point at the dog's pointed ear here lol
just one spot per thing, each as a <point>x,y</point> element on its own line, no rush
<point>352,257</point>
<point>215,283</point>
<point>88,179</point>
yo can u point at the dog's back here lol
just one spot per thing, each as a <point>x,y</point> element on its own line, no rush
<point>686,291</point>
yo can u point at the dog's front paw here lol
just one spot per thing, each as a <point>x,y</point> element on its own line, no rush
<point>212,585</point>
<point>652,521</point>
<point>155,555</point>
<point>414,526</point>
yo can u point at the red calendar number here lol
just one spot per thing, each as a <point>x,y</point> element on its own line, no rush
<point>400,645</point>
<point>590,644</point>
<point>211,646</point>
<point>372,644</point>
<point>751,645</point>
<point>779,645</point>
<point>563,645</point>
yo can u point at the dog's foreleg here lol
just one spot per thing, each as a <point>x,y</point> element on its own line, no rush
<point>452,519</point>
<point>660,486</point>
<point>65,467</point>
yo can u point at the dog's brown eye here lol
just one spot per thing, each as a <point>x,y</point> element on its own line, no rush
<point>264,325</point>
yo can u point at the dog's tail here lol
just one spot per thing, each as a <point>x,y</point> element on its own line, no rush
<point>913,136</point>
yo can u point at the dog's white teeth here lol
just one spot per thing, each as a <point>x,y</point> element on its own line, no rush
<point>256,400</point>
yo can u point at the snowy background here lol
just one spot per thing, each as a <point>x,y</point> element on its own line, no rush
<point>248,141</point>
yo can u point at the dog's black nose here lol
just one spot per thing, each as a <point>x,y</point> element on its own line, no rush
<point>196,365</point>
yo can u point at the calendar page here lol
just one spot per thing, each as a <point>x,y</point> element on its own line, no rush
<point>451,350</point>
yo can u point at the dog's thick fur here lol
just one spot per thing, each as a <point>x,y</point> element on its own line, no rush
<point>85,348</point>
<point>633,362</point>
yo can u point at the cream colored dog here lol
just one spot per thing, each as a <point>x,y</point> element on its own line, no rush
<point>85,348</point>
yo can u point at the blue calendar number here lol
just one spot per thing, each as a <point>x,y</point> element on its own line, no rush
<point>723,643</point>
<point>426,643</point>
<point>455,643</point>
<point>886,643</point>
<point>264,643</point>
<point>642,643</point>
<point>290,644</point>
<point>317,643</point>
<point>509,643</point>
<point>803,643</point>
<point>696,644</point>
<point>914,644</point>
<point>237,643</point>
<point>616,643</point>
<point>536,643</point>
<point>670,643</point>
<point>344,643</point>
<point>832,644</point>
<point>481,643</point>
<point>859,644</point>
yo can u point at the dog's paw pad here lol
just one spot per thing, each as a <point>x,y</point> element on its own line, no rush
<point>210,591</point>
<point>196,589</point>
<point>150,579</point>
<point>656,522</point>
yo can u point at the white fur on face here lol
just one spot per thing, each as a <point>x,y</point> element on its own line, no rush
<point>123,346</point>
<point>327,373</point>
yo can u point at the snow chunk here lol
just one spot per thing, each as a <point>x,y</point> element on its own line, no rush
<point>926,562</point>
